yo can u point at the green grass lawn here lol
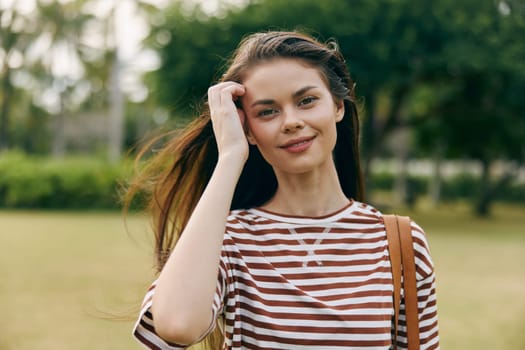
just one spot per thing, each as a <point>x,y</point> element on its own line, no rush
<point>480,267</point>
<point>65,274</point>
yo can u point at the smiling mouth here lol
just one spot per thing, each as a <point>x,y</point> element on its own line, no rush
<point>297,143</point>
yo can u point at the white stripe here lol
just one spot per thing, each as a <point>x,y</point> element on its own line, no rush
<point>322,311</point>
<point>254,259</point>
<point>297,246</point>
<point>155,339</point>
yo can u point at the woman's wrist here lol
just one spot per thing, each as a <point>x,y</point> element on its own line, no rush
<point>232,159</point>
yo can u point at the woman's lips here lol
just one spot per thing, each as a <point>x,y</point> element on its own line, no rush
<point>298,145</point>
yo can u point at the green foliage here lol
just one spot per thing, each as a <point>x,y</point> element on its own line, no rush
<point>72,183</point>
<point>394,49</point>
<point>464,186</point>
<point>93,183</point>
<point>461,187</point>
<point>452,71</point>
<point>458,187</point>
<point>383,181</point>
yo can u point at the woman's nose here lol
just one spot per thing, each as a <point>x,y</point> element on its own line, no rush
<point>292,122</point>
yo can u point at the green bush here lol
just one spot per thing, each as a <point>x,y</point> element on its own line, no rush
<point>514,193</point>
<point>462,186</point>
<point>71,183</point>
<point>93,183</point>
<point>383,181</point>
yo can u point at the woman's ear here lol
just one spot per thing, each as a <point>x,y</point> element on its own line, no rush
<point>339,110</point>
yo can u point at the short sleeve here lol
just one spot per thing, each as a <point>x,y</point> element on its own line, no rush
<point>144,330</point>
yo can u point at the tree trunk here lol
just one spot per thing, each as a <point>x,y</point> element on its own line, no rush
<point>116,117</point>
<point>437,176</point>
<point>58,148</point>
<point>6,93</point>
<point>490,189</point>
<point>376,134</point>
<point>482,207</point>
<point>368,135</point>
<point>401,149</point>
<point>116,103</point>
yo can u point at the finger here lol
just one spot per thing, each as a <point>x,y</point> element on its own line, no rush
<point>221,96</point>
<point>214,98</point>
<point>216,89</point>
<point>231,104</point>
<point>231,93</point>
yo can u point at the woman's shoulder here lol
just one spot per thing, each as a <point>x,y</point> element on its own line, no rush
<point>246,216</point>
<point>366,210</point>
<point>366,213</point>
<point>424,263</point>
<point>419,237</point>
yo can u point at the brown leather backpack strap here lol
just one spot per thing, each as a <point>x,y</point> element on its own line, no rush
<point>394,250</point>
<point>409,282</point>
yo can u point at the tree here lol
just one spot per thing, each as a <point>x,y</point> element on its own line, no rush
<point>472,108</point>
<point>386,43</point>
<point>429,65</point>
<point>61,27</point>
<point>17,31</point>
<point>116,101</point>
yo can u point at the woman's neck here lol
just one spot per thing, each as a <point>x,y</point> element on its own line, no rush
<point>310,194</point>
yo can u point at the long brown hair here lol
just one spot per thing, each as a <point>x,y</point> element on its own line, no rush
<point>176,176</point>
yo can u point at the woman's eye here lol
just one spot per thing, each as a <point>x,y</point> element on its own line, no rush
<point>307,100</point>
<point>266,112</point>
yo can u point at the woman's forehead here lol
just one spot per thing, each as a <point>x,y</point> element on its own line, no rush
<point>283,73</point>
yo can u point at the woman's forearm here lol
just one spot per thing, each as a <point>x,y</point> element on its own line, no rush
<point>182,304</point>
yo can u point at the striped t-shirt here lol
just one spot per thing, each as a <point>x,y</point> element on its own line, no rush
<point>310,283</point>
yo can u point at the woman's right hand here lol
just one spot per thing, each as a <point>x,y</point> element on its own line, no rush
<point>228,120</point>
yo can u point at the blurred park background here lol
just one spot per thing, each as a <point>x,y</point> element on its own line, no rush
<point>84,83</point>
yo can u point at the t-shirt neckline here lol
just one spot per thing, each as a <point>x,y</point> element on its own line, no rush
<point>330,217</point>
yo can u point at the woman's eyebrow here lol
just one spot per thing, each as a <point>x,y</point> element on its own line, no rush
<point>303,90</point>
<point>263,102</point>
<point>296,94</point>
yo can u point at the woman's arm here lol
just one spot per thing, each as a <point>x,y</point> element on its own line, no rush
<point>182,303</point>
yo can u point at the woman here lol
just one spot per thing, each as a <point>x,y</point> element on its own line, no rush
<point>262,238</point>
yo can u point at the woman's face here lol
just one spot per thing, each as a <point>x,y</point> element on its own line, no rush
<point>291,115</point>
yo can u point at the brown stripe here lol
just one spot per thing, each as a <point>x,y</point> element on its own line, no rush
<point>320,287</point>
<point>321,343</point>
<point>316,329</point>
<point>315,305</point>
<point>285,252</point>
<point>333,274</point>
<point>146,342</point>
<point>330,238</point>
<point>295,303</point>
<point>151,329</point>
